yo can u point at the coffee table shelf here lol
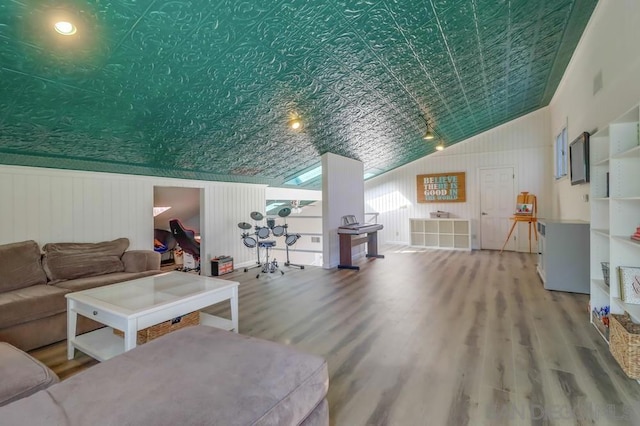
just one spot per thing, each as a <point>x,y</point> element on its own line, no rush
<point>215,321</point>
<point>100,344</point>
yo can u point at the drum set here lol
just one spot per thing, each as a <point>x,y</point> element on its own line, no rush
<point>258,239</point>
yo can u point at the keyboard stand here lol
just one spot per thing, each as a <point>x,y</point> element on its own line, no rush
<point>347,241</point>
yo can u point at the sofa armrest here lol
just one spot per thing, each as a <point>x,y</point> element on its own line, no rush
<point>141,260</point>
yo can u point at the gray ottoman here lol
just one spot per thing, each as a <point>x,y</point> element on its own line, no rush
<point>21,375</point>
<point>195,376</point>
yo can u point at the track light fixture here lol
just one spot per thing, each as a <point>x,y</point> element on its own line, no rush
<point>428,134</point>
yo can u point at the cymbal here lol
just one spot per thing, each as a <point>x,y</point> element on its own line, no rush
<point>284,212</point>
<point>244,225</point>
<point>257,216</point>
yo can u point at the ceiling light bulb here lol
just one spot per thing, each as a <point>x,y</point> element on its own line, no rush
<point>295,123</point>
<point>65,28</point>
<point>440,146</point>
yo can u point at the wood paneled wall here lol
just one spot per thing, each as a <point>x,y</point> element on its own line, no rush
<point>522,143</point>
<point>48,205</point>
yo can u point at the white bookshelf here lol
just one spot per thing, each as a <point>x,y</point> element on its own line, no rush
<point>452,234</point>
<point>615,209</point>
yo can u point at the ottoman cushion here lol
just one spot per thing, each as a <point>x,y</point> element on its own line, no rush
<point>194,376</point>
<point>21,375</point>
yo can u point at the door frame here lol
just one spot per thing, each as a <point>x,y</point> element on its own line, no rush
<point>479,195</point>
<point>204,266</point>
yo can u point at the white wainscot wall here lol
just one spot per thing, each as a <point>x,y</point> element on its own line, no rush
<point>608,48</point>
<point>522,143</point>
<point>48,205</point>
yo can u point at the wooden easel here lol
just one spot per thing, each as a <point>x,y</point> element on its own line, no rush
<point>522,215</point>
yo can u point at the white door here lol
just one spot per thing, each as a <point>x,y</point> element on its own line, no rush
<point>497,204</point>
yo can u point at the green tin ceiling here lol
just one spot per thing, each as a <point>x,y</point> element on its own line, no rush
<point>203,89</point>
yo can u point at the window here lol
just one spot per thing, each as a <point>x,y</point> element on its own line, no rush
<point>561,151</point>
<point>306,176</point>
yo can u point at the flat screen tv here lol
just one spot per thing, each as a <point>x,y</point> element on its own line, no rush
<point>579,159</point>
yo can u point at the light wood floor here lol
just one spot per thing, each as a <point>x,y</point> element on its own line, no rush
<point>426,337</point>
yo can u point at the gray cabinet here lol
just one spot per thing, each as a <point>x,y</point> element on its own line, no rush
<point>563,248</point>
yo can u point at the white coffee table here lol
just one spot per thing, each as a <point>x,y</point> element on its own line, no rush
<point>137,304</point>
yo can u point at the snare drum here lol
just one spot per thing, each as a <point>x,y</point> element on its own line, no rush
<point>278,231</point>
<point>263,232</point>
<point>249,241</point>
<point>291,239</point>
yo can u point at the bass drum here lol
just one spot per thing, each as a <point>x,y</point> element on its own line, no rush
<point>249,241</point>
<point>278,231</point>
<point>263,232</point>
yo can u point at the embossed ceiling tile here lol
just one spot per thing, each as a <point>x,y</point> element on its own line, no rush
<point>408,17</point>
<point>353,9</point>
<point>378,28</point>
<point>491,14</point>
<point>323,27</point>
<point>523,10</point>
<point>301,11</point>
<point>216,74</point>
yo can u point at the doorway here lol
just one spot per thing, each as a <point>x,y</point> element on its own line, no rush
<point>497,201</point>
<point>175,203</point>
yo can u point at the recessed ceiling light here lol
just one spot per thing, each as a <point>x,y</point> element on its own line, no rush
<point>295,123</point>
<point>65,28</point>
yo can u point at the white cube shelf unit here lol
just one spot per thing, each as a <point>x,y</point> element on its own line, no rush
<point>452,234</point>
<point>615,208</point>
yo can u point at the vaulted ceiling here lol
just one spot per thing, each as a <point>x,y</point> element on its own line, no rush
<point>204,89</point>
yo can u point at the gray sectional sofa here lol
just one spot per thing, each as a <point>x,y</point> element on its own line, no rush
<point>195,376</point>
<point>33,284</point>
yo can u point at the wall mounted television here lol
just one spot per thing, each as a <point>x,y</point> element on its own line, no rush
<point>579,159</point>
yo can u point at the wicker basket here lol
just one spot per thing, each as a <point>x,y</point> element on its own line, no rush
<point>147,334</point>
<point>625,344</point>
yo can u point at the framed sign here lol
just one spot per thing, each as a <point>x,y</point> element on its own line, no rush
<point>442,188</point>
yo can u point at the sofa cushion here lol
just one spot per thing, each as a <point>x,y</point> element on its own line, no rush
<point>140,260</point>
<point>195,376</point>
<point>30,303</point>
<point>66,261</point>
<point>20,266</point>
<point>21,374</point>
<point>85,283</point>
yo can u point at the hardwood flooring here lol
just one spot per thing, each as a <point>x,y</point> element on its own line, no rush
<point>428,337</point>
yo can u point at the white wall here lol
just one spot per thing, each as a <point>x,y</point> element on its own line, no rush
<point>522,143</point>
<point>49,205</point>
<point>292,194</point>
<point>611,45</point>
<point>342,194</point>
<point>307,223</point>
